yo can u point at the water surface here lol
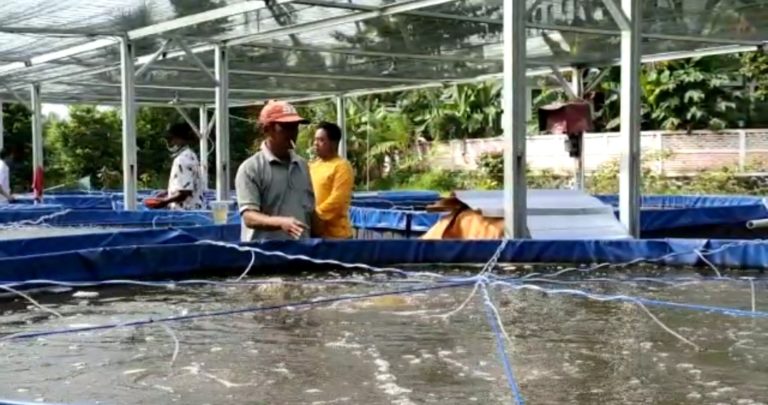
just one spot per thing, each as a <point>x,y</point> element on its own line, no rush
<point>389,350</point>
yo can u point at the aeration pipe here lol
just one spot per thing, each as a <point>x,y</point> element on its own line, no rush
<point>757,224</point>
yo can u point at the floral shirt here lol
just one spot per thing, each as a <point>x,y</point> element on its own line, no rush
<point>185,175</point>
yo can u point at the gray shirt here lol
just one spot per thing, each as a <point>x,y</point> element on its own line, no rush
<point>274,187</point>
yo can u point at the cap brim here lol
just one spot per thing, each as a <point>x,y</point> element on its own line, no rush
<point>290,119</point>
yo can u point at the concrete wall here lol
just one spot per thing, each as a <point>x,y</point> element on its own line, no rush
<point>746,150</point>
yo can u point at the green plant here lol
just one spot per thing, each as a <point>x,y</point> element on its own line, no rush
<point>605,180</point>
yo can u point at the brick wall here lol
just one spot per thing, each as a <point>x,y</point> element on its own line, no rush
<point>689,153</point>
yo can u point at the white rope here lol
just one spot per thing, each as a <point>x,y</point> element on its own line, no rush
<point>248,269</point>
<point>705,260</point>
<point>360,266</point>
<point>489,303</point>
<point>481,279</point>
<point>39,221</point>
<point>176,344</point>
<point>31,300</point>
<point>701,253</point>
<point>622,298</point>
<point>180,216</point>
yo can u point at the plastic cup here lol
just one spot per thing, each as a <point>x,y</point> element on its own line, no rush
<point>220,212</point>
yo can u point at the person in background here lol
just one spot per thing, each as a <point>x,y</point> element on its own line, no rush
<point>333,180</point>
<point>5,179</point>
<point>185,185</point>
<point>274,190</point>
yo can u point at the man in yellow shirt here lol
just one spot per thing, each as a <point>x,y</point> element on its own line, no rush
<point>332,181</point>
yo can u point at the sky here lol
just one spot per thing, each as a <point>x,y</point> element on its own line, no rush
<point>58,109</point>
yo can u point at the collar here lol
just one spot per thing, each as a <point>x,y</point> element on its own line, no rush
<point>180,151</point>
<point>272,158</point>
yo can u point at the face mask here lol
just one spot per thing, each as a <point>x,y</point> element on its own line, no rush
<point>174,149</point>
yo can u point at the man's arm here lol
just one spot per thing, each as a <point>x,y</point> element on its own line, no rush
<point>181,183</point>
<point>343,183</point>
<point>256,220</point>
<point>176,197</point>
<point>6,194</point>
<point>4,178</point>
<point>249,201</point>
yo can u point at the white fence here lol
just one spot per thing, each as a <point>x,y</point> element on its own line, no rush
<point>683,153</point>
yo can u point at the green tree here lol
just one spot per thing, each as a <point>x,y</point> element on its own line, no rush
<point>88,142</point>
<point>455,112</point>
<point>17,126</point>
<point>688,94</point>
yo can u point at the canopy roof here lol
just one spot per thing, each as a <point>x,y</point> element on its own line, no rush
<point>313,48</point>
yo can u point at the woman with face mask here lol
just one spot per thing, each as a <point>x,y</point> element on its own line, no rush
<point>185,185</point>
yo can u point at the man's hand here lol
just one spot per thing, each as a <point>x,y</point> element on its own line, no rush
<point>291,226</point>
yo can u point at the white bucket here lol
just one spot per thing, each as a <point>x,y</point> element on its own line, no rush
<point>220,212</point>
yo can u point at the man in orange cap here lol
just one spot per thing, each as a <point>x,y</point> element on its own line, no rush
<point>274,190</point>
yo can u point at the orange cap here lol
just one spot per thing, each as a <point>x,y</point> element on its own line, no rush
<point>279,111</point>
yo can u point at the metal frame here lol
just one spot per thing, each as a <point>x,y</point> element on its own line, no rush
<point>37,128</point>
<point>630,175</point>
<point>206,130</point>
<point>513,120</point>
<point>129,124</point>
<point>148,31</point>
<point>577,88</point>
<point>627,17</point>
<point>222,123</point>
<point>2,129</point>
<point>341,121</point>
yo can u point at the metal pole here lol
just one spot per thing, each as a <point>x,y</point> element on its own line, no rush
<point>368,150</point>
<point>341,121</point>
<point>204,146</point>
<point>222,122</point>
<point>128,97</point>
<point>2,133</point>
<point>629,178</point>
<point>513,105</point>
<point>577,85</point>
<point>37,129</point>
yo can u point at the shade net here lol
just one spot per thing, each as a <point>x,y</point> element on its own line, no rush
<point>323,47</point>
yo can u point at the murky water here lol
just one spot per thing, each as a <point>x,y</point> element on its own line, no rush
<point>387,350</point>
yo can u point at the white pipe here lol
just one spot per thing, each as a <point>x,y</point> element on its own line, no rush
<point>757,224</point>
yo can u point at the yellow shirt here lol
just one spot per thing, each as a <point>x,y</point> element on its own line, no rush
<point>332,181</point>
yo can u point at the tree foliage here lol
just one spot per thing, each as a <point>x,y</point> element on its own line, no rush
<point>88,142</point>
<point>17,126</point>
